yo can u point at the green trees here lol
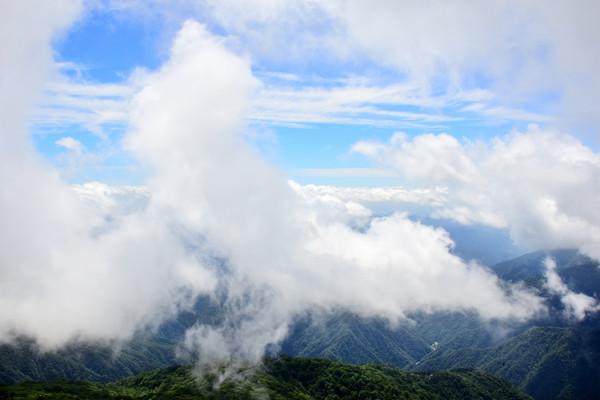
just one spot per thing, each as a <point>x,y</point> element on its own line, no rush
<point>282,378</point>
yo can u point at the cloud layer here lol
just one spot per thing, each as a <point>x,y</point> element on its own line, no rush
<point>540,184</point>
<point>283,255</point>
<point>67,274</point>
<point>219,220</point>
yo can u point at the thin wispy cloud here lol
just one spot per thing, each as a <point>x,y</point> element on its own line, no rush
<point>94,105</point>
<point>67,101</point>
<point>346,172</point>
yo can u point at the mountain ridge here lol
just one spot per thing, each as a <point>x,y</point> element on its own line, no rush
<point>428,342</point>
<point>281,378</point>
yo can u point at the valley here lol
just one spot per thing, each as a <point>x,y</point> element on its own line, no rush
<point>549,358</point>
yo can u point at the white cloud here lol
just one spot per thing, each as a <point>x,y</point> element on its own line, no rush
<point>70,143</point>
<point>525,52</point>
<point>375,194</point>
<point>345,172</point>
<point>66,275</point>
<point>455,41</point>
<point>363,202</point>
<point>522,49</point>
<point>540,184</point>
<point>512,114</point>
<point>73,101</point>
<point>438,158</point>
<point>62,278</point>
<point>577,305</point>
<point>353,101</point>
<point>285,253</point>
<point>113,201</point>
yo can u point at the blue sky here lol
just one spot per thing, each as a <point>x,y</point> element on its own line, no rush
<point>106,46</point>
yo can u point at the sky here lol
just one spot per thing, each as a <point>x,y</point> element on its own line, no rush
<point>318,96</point>
<point>287,158</point>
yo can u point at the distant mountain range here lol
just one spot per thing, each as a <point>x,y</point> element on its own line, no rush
<point>580,273</point>
<point>549,359</point>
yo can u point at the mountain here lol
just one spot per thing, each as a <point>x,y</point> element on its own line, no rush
<point>338,336</point>
<point>546,362</point>
<point>342,336</point>
<point>282,378</point>
<point>95,362</point>
<point>100,362</point>
<point>550,358</point>
<point>349,338</point>
<point>557,360</point>
<point>579,272</point>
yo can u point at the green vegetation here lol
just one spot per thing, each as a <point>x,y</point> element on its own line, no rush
<point>283,378</point>
<point>343,337</point>
<point>349,338</point>
<point>100,362</point>
<point>322,379</point>
<point>546,362</point>
<point>93,362</point>
<point>579,272</point>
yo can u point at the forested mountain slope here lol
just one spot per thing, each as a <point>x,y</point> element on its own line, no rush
<point>285,378</point>
<point>527,355</point>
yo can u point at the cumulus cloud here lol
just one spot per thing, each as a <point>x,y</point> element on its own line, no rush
<point>359,204</point>
<point>284,254</point>
<point>541,184</point>
<point>373,195</point>
<point>63,278</point>
<point>112,201</point>
<point>577,305</point>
